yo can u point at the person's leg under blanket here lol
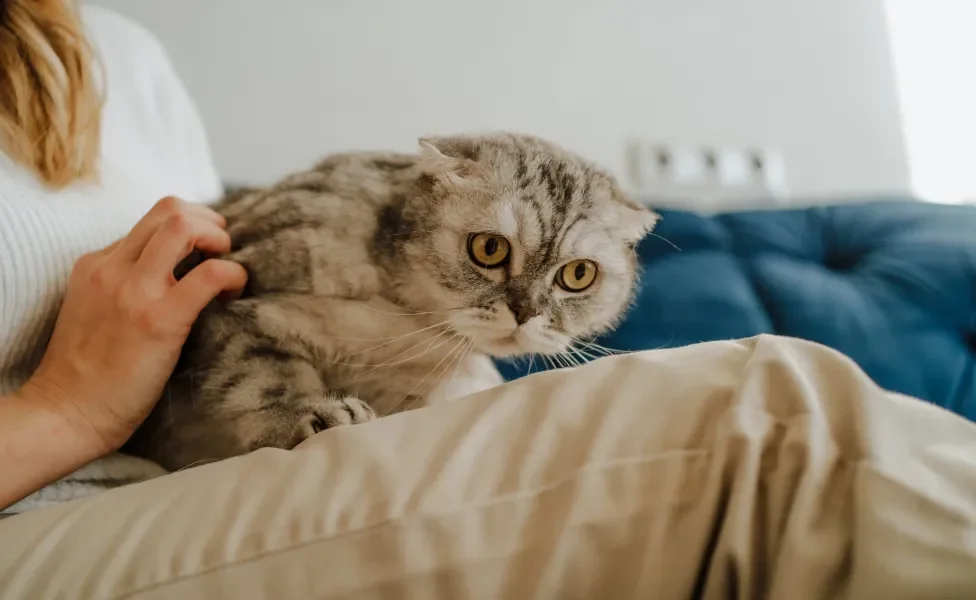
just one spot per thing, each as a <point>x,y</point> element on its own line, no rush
<point>767,467</point>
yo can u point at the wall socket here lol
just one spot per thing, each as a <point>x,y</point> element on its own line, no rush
<point>706,173</point>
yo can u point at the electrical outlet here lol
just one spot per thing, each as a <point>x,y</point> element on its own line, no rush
<point>706,172</point>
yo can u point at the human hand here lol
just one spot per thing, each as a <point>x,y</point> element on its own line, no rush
<point>125,318</point>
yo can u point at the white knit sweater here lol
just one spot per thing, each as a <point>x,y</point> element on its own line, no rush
<point>153,145</point>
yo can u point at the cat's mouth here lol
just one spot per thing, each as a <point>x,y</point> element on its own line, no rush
<point>516,342</point>
<point>503,340</point>
<point>507,345</point>
<point>502,348</point>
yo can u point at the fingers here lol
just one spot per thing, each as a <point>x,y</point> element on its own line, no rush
<point>203,283</point>
<point>165,236</point>
<point>175,239</point>
<point>207,213</point>
<point>134,243</point>
<point>108,249</point>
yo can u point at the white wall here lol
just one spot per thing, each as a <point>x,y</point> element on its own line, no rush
<point>282,82</point>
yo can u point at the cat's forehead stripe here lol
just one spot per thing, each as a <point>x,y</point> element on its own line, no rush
<point>588,241</point>
<point>555,242</point>
<point>522,168</point>
<point>507,220</point>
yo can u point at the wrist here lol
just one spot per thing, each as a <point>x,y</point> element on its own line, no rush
<point>39,444</point>
<point>64,415</point>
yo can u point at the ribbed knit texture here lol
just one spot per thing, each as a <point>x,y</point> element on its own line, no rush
<point>153,145</point>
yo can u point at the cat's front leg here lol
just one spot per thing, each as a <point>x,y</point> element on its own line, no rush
<point>255,393</point>
<point>329,410</point>
<point>477,373</point>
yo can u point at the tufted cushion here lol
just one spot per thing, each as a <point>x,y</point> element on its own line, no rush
<point>891,284</point>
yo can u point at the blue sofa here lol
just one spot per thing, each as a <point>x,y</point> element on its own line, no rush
<point>891,283</point>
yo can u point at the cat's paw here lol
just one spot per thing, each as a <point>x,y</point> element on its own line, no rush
<point>334,412</point>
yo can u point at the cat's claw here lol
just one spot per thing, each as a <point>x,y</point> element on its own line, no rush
<point>334,412</point>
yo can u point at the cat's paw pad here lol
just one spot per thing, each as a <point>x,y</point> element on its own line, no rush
<point>335,412</point>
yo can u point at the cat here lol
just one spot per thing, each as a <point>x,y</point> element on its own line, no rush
<point>374,279</point>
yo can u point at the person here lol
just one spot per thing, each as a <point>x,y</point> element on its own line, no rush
<point>765,467</point>
<point>76,176</point>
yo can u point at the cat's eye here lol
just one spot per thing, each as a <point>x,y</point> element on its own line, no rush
<point>577,275</point>
<point>488,250</point>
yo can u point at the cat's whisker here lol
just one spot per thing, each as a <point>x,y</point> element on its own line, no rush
<point>569,360</point>
<point>580,360</point>
<point>409,313</point>
<point>609,349</point>
<point>572,360</point>
<point>595,350</point>
<point>460,353</point>
<point>665,240</point>
<point>450,353</point>
<point>584,353</point>
<point>379,339</point>
<point>460,356</point>
<point>588,355</point>
<point>531,362</point>
<point>393,361</point>
<point>398,338</point>
<point>464,355</point>
<point>429,373</point>
<point>600,348</point>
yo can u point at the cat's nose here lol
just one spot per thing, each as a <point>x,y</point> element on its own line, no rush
<point>522,310</point>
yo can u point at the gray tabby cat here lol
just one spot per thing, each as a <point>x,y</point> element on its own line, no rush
<point>374,279</point>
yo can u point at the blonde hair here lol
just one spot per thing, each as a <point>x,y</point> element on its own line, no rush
<point>50,104</point>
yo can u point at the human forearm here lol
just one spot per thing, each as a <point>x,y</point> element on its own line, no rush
<point>116,339</point>
<point>40,442</point>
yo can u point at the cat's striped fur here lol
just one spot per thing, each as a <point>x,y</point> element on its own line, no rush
<point>362,298</point>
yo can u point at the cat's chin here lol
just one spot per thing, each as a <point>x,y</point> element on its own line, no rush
<point>514,344</point>
<point>503,348</point>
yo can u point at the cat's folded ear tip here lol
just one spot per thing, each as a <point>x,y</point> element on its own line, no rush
<point>648,221</point>
<point>428,146</point>
<point>638,220</point>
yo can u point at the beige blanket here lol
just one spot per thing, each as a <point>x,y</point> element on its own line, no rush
<point>761,468</point>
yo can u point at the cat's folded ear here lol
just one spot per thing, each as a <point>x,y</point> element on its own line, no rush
<point>635,220</point>
<point>457,147</point>
<point>450,162</point>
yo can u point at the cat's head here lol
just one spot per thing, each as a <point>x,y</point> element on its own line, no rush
<point>525,247</point>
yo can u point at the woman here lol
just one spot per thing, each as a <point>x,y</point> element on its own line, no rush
<point>82,164</point>
<point>766,467</point>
